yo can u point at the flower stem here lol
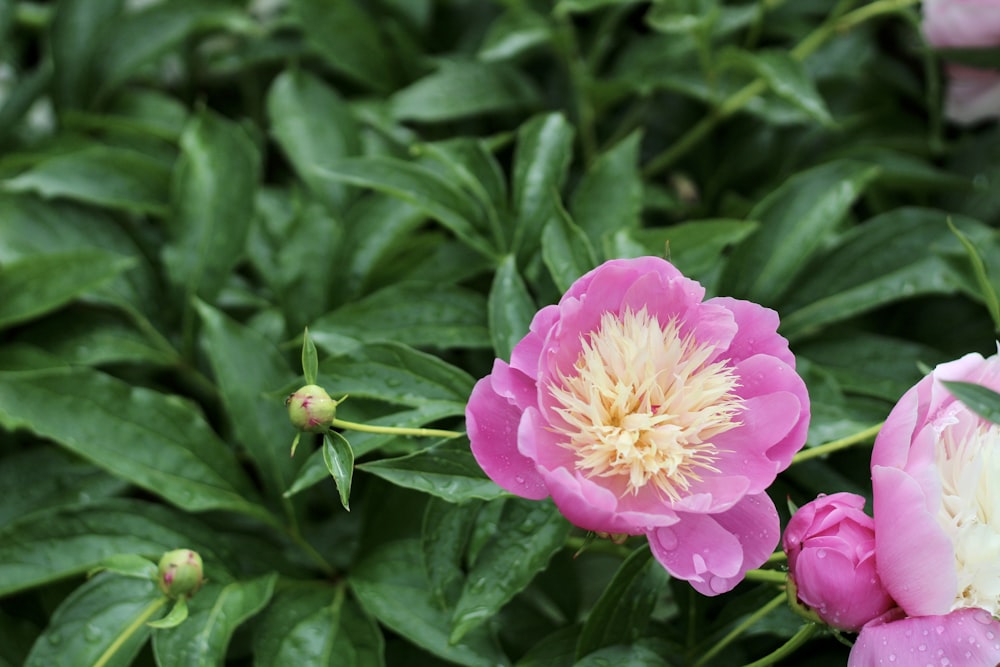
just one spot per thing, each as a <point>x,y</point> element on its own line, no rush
<point>789,647</point>
<point>741,628</point>
<point>834,445</point>
<point>127,633</point>
<point>396,430</point>
<point>770,576</point>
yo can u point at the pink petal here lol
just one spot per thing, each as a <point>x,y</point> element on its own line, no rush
<point>623,271</point>
<point>524,357</point>
<point>915,559</point>
<point>973,95</point>
<point>714,551</point>
<point>963,638</point>
<point>758,331</point>
<point>962,23</point>
<point>492,423</point>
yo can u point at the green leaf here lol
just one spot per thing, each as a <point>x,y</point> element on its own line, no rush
<point>56,543</point>
<point>787,78</point>
<point>420,186</point>
<point>445,533</point>
<point>57,478</point>
<point>339,459</point>
<point>446,470</point>
<point>212,198</point>
<point>609,196</point>
<point>102,175</point>
<point>127,565</point>
<point>310,358</point>
<point>103,622</point>
<point>514,33</point>
<point>397,374</point>
<point>358,51</point>
<point>982,400</point>
<point>636,655</point>
<point>795,220</point>
<point>510,307</point>
<point>583,6</point>
<point>39,284</point>
<point>695,247</point>
<point>79,31</point>
<point>247,366</point>
<point>314,127</point>
<point>982,279</point>
<point>300,626</point>
<point>177,615</point>
<point>541,163</point>
<point>877,263</point>
<point>556,650</point>
<point>391,589</point>
<point>462,89</point>
<point>624,609</point>
<point>214,614</point>
<point>683,17</point>
<point>566,250</point>
<point>413,313</point>
<point>180,458</point>
<point>529,534</point>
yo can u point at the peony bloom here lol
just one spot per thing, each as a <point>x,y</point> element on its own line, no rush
<point>642,409</point>
<point>830,544</point>
<point>973,94</point>
<point>935,474</point>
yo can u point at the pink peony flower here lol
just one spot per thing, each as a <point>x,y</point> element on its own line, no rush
<point>642,409</point>
<point>937,523</point>
<point>973,94</point>
<point>830,544</point>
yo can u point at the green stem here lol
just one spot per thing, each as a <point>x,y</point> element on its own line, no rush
<point>770,576</point>
<point>137,623</point>
<point>598,546</point>
<point>396,430</point>
<point>834,445</point>
<point>741,628</point>
<point>776,557</point>
<point>789,647</point>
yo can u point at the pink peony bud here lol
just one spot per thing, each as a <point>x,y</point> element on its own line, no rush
<point>830,544</point>
<point>311,409</point>
<point>180,573</point>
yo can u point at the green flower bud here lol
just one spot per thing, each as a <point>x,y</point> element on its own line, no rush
<point>180,573</point>
<point>311,409</point>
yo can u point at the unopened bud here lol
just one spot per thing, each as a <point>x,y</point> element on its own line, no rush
<point>180,573</point>
<point>311,409</point>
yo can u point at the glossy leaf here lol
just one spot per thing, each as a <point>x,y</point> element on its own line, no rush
<point>310,359</point>
<point>511,308</point>
<point>529,534</point>
<point>181,459</point>
<point>987,289</point>
<point>79,31</point>
<point>788,79</point>
<point>39,284</point>
<point>982,400</point>
<point>339,459</point>
<point>566,250</point>
<point>178,614</point>
<point>443,539</point>
<point>609,196</point>
<point>446,470</point>
<point>214,614</point>
<point>395,592</point>
<point>635,655</point>
<point>127,565</point>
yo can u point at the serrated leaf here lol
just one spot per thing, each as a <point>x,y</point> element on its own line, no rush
<point>982,400</point>
<point>609,196</point>
<point>101,622</point>
<point>541,163</point>
<point>419,186</point>
<point>794,221</point>
<point>566,250</point>
<point>787,78</point>
<point>398,595</point>
<point>397,374</point>
<point>529,534</point>
<point>446,470</point>
<point>314,127</point>
<point>462,89</point>
<point>180,459</point>
<point>413,313</point>
<point>214,614</point>
<point>38,284</point>
<point>339,459</point>
<point>624,609</point>
<point>60,542</point>
<point>510,308</point>
<point>247,366</point>
<point>212,202</point>
<point>177,615</point>
<point>443,537</point>
<point>105,176</point>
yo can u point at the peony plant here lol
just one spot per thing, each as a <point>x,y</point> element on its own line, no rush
<point>643,409</point>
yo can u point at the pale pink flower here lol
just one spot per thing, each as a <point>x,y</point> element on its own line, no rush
<point>973,94</point>
<point>830,543</point>
<point>642,409</point>
<point>936,483</point>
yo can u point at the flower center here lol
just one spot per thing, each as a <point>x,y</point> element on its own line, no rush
<point>643,405</point>
<point>970,513</point>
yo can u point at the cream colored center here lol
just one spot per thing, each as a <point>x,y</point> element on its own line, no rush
<point>643,404</point>
<point>970,513</point>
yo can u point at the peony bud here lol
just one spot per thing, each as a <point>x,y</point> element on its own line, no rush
<point>180,573</point>
<point>830,543</point>
<point>311,409</point>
